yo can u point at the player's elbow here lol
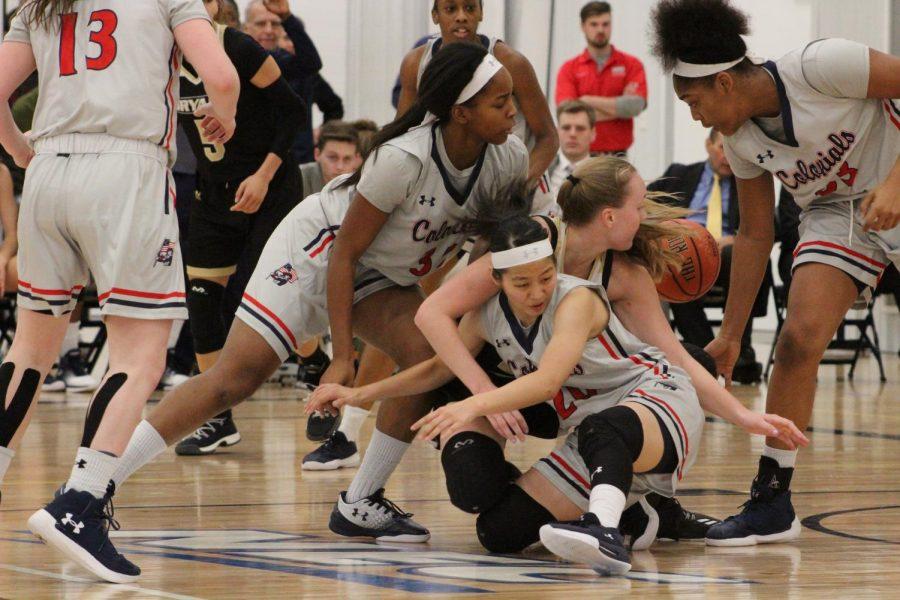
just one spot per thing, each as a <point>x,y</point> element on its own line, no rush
<point>223,81</point>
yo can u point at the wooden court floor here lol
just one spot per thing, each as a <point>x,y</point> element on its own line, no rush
<point>247,523</point>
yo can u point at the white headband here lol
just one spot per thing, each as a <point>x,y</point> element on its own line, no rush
<point>485,71</point>
<point>521,255</point>
<point>694,70</point>
<point>480,78</point>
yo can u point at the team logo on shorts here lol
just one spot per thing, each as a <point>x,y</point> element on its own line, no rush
<point>166,253</point>
<point>284,274</point>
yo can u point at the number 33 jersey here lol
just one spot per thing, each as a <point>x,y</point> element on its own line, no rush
<point>108,66</point>
<point>832,143</point>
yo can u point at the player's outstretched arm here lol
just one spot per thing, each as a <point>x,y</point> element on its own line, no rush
<point>201,46</point>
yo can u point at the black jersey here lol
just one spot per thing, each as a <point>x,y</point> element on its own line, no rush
<point>243,154</point>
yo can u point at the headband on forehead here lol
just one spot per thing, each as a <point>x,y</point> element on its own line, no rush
<point>522,255</point>
<point>695,70</point>
<point>480,78</point>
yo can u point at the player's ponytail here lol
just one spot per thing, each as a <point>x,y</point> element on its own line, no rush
<point>599,183</point>
<point>43,13</point>
<point>700,32</point>
<point>448,72</point>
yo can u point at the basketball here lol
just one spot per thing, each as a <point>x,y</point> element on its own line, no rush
<point>699,264</point>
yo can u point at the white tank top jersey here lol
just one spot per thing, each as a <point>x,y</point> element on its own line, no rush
<point>427,227</point>
<point>109,66</point>
<point>834,148</point>
<point>520,129</point>
<point>612,365</point>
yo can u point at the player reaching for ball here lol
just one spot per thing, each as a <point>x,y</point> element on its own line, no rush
<point>636,416</point>
<point>821,119</point>
<point>608,236</point>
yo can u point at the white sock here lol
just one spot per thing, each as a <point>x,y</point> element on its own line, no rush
<point>145,445</point>
<point>70,341</point>
<point>92,471</point>
<point>6,456</point>
<point>382,457</point>
<point>352,421</point>
<point>785,458</point>
<point>607,502</point>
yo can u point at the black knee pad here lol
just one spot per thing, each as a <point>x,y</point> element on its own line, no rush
<point>477,472</point>
<point>701,356</point>
<point>204,301</point>
<point>11,416</point>
<point>609,442</point>
<point>98,406</point>
<point>513,524</point>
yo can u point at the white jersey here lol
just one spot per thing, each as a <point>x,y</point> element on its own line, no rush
<point>612,366</point>
<point>109,66</point>
<point>833,149</point>
<point>520,129</point>
<point>428,226</point>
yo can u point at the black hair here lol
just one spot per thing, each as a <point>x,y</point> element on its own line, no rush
<point>434,5</point>
<point>699,31</point>
<point>595,9</point>
<point>448,72</point>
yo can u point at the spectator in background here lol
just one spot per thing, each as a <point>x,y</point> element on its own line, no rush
<point>264,21</point>
<point>398,87</point>
<point>337,152</point>
<point>230,14</point>
<point>365,129</point>
<point>576,133</point>
<point>708,189</point>
<point>609,80</point>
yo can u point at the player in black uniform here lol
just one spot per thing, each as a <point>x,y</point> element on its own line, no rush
<point>244,189</point>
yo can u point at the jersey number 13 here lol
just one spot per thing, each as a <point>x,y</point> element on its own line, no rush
<point>102,37</point>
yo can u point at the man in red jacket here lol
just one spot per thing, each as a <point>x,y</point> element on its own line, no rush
<point>607,79</point>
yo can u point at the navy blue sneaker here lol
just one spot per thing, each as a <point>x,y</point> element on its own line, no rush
<point>321,425</point>
<point>335,453</point>
<point>77,524</point>
<point>375,517</point>
<point>767,517</point>
<point>218,431</point>
<point>586,541</point>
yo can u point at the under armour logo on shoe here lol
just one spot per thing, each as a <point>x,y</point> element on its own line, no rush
<point>81,463</point>
<point>762,157</point>
<point>774,485</point>
<point>76,527</point>
<point>609,535</point>
<point>362,517</point>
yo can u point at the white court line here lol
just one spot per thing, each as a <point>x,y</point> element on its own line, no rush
<point>115,586</point>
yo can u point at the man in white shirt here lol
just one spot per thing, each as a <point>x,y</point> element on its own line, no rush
<point>576,134</point>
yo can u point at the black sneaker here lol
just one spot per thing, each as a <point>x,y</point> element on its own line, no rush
<point>321,426</point>
<point>53,382</point>
<point>586,541</point>
<point>218,431</point>
<point>639,525</point>
<point>746,369</point>
<point>77,524</point>
<point>75,372</point>
<point>337,452</point>
<point>375,517</point>
<point>310,369</point>
<point>676,522</point>
<point>767,517</point>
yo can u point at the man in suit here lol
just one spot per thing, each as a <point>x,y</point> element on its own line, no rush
<point>576,134</point>
<point>708,188</point>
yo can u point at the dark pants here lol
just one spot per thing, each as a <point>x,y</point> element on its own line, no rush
<point>690,317</point>
<point>181,359</point>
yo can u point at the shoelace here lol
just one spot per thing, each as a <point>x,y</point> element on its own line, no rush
<point>208,428</point>
<point>388,507</point>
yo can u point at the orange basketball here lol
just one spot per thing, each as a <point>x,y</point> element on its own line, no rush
<point>699,267</point>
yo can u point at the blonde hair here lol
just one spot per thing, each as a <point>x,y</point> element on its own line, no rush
<point>599,183</point>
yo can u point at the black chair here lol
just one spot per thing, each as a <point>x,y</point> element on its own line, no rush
<point>7,320</point>
<point>843,338</point>
<point>91,350</point>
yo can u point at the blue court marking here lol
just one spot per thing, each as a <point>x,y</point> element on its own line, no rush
<point>382,581</point>
<point>549,579</point>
